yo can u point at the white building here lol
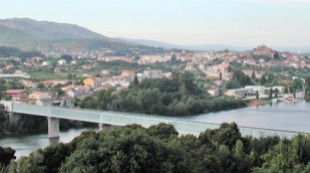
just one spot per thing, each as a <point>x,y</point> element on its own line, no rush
<point>152,73</point>
<point>259,88</point>
<point>240,92</point>
<point>213,92</point>
<point>62,62</point>
<point>105,72</point>
<point>46,63</point>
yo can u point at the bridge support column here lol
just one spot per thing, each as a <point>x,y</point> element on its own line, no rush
<point>53,127</point>
<point>13,117</point>
<point>104,127</point>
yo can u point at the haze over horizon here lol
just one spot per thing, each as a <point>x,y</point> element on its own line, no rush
<point>229,22</point>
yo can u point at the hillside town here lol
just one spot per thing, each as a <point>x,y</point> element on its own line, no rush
<point>215,68</point>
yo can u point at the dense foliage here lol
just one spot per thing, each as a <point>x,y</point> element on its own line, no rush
<point>15,52</point>
<point>133,148</point>
<point>239,79</point>
<point>177,96</point>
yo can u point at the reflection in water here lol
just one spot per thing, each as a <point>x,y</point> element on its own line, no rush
<point>282,116</point>
<point>53,141</point>
<point>26,143</point>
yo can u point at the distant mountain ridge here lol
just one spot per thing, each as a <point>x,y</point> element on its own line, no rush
<point>50,30</point>
<point>53,30</point>
<point>28,34</point>
<point>215,47</point>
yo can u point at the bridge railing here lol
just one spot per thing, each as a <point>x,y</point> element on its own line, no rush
<point>182,125</point>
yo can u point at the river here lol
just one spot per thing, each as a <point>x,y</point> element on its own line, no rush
<point>284,116</point>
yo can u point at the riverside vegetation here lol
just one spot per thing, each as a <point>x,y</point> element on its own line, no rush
<point>177,96</point>
<point>133,148</point>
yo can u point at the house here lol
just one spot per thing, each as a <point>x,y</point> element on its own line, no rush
<point>16,93</point>
<point>240,92</point>
<point>26,100</point>
<point>105,72</point>
<point>74,92</point>
<point>255,88</point>
<point>37,59</point>
<point>152,73</point>
<point>43,94</point>
<point>104,86</point>
<point>87,67</point>
<point>130,75</point>
<point>62,62</point>
<point>17,59</point>
<point>65,101</point>
<point>29,84</point>
<point>9,67</point>
<point>46,63</point>
<point>93,82</point>
<point>213,92</point>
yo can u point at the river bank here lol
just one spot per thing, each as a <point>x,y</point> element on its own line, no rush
<point>257,102</point>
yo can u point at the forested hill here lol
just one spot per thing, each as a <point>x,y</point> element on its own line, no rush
<point>16,38</point>
<point>15,52</point>
<point>50,30</point>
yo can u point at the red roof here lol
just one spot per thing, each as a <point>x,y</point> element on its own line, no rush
<point>15,91</point>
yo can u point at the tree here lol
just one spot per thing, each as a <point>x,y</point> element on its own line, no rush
<point>263,80</point>
<point>285,89</point>
<point>162,131</point>
<point>135,81</point>
<point>6,155</point>
<point>54,155</point>
<point>276,93</point>
<point>68,58</point>
<point>40,86</point>
<point>173,57</point>
<point>136,58</point>
<point>283,157</point>
<point>270,93</point>
<point>8,97</point>
<point>257,95</point>
<point>276,55</point>
<point>125,150</point>
<point>270,77</point>
<point>69,76</point>
<point>221,76</point>
<point>253,74</point>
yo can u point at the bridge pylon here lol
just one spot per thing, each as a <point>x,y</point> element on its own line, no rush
<point>53,127</point>
<point>104,127</point>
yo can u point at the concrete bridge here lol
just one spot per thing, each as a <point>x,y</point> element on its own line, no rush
<point>107,118</point>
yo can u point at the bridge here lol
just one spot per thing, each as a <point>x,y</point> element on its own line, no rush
<point>107,118</point>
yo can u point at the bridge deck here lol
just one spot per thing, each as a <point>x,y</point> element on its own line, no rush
<point>183,126</point>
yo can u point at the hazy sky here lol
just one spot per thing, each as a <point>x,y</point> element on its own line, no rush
<point>230,22</point>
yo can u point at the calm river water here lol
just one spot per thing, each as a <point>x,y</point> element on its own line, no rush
<point>284,116</point>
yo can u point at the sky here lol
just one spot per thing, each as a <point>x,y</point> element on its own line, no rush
<point>183,22</point>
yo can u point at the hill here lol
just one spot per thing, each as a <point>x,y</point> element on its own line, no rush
<point>50,30</point>
<point>16,38</point>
